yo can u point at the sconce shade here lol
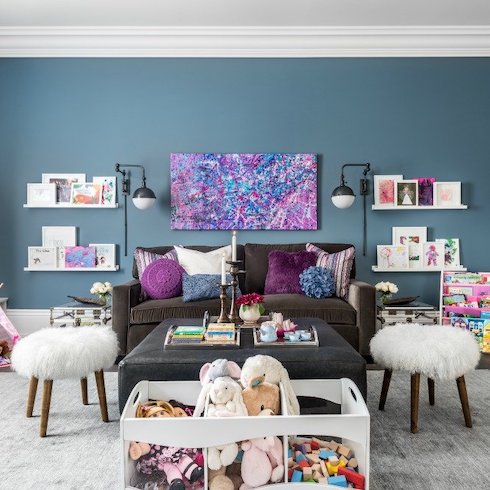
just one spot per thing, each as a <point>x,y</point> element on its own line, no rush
<point>343,197</point>
<point>144,198</point>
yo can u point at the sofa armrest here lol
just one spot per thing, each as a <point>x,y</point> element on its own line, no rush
<point>362,296</point>
<point>124,297</point>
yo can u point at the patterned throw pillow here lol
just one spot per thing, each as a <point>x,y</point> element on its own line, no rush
<point>162,279</point>
<point>144,258</point>
<point>203,286</point>
<point>339,264</point>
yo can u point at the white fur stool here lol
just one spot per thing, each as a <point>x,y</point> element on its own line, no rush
<point>436,351</point>
<point>68,352</point>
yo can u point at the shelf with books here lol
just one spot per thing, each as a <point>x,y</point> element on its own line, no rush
<point>61,205</point>
<point>376,207</point>
<point>375,268</point>
<point>71,269</point>
<point>465,303</point>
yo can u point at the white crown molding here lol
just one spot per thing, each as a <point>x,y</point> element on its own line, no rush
<point>245,42</point>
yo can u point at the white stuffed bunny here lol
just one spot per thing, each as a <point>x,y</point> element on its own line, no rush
<point>272,371</point>
<point>226,399</point>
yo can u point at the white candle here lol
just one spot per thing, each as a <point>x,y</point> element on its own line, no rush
<point>233,246</point>
<point>223,269</point>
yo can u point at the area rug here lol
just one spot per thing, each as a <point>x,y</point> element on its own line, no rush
<point>81,452</point>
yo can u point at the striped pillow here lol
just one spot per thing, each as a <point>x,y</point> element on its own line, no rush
<point>339,264</point>
<point>144,258</point>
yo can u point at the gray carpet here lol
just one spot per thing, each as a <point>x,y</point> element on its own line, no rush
<point>81,452</point>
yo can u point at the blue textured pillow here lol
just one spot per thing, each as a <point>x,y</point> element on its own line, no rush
<point>203,286</point>
<point>317,282</point>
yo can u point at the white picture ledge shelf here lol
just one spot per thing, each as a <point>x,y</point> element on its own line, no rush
<point>375,268</point>
<point>76,206</point>
<point>375,207</point>
<point>71,269</point>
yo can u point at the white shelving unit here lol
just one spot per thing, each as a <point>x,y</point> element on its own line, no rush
<point>375,207</point>
<point>75,206</point>
<point>375,268</point>
<point>72,269</point>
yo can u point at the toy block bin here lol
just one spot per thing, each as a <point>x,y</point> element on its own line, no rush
<point>350,426</point>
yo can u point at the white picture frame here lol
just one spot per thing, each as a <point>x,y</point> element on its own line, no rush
<point>105,255</point>
<point>59,236</point>
<point>452,254</point>
<point>108,189</point>
<point>414,237</point>
<point>407,193</point>
<point>384,189</point>
<point>447,193</point>
<point>392,257</point>
<point>63,182</point>
<point>41,195</point>
<point>42,258</point>
<point>433,255</point>
<point>85,193</point>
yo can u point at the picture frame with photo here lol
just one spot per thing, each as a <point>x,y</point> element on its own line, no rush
<point>451,252</point>
<point>105,255</point>
<point>63,182</point>
<point>86,193</point>
<point>414,237</point>
<point>79,257</point>
<point>447,193</point>
<point>42,258</point>
<point>385,189</point>
<point>426,191</point>
<point>108,190</point>
<point>392,257</point>
<point>59,236</point>
<point>41,195</point>
<point>407,192</point>
<point>433,255</point>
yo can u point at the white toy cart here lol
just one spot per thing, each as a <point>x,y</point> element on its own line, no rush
<point>351,425</point>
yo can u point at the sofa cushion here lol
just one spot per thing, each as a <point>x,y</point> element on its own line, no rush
<point>256,261</point>
<point>162,279</point>
<point>196,262</point>
<point>203,286</point>
<point>332,310</point>
<point>284,269</point>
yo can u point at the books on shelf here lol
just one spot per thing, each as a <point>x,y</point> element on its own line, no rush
<point>414,305</point>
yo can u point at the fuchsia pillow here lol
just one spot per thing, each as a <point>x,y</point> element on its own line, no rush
<point>162,279</point>
<point>284,270</point>
<point>339,264</point>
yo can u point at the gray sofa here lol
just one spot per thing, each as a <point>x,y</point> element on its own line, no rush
<point>354,319</point>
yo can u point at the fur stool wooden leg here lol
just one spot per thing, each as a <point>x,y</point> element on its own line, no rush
<point>32,395</point>
<point>47,390</point>
<point>465,405</point>
<point>431,386</point>
<point>414,402</point>
<point>83,384</point>
<point>99,379</point>
<point>384,389</point>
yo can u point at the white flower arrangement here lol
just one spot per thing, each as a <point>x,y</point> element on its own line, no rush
<point>102,289</point>
<point>385,290</point>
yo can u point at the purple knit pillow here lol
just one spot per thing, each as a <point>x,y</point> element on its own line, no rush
<point>162,279</point>
<point>284,270</point>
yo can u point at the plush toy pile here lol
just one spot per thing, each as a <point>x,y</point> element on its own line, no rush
<point>315,460</point>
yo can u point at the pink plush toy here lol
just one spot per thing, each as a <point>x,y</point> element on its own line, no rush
<point>262,462</point>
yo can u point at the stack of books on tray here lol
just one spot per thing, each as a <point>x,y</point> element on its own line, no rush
<point>188,335</point>
<point>220,333</point>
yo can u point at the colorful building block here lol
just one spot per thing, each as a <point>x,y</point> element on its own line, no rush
<point>333,445</point>
<point>290,453</point>
<point>333,460</point>
<point>352,463</point>
<point>339,481</point>
<point>290,473</point>
<point>302,448</point>
<point>325,453</point>
<point>332,470</point>
<point>320,442</point>
<point>307,474</point>
<point>307,448</point>
<point>353,477</point>
<point>323,468</point>
<point>345,451</point>
<point>314,445</point>
<point>304,464</point>
<point>313,458</point>
<point>300,457</point>
<point>297,476</point>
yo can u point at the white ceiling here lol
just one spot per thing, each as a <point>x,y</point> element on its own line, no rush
<point>178,13</point>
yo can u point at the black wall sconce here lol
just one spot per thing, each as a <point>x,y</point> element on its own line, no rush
<point>143,197</point>
<point>343,196</point>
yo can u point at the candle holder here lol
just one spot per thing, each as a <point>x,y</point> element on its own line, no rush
<point>223,317</point>
<point>234,271</point>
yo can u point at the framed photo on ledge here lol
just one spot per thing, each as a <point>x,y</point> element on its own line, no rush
<point>451,252</point>
<point>414,237</point>
<point>433,257</point>
<point>407,192</point>
<point>385,189</point>
<point>105,255</point>
<point>63,184</point>
<point>86,193</point>
<point>41,195</point>
<point>59,236</point>
<point>392,257</point>
<point>447,193</point>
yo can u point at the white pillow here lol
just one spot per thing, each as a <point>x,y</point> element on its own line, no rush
<point>195,262</point>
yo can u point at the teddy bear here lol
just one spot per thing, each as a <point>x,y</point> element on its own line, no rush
<point>273,372</point>
<point>5,351</point>
<point>261,398</point>
<point>262,462</point>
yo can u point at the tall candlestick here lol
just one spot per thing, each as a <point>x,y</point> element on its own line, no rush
<point>223,269</point>
<point>233,246</point>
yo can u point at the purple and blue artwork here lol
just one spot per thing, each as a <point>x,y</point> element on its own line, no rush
<point>79,257</point>
<point>243,191</point>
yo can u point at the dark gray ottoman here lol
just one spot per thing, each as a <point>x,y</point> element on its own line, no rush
<point>334,358</point>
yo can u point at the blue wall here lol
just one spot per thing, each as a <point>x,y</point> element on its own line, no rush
<point>417,117</point>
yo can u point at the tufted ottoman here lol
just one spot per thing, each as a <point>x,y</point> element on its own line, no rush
<point>436,351</point>
<point>59,353</point>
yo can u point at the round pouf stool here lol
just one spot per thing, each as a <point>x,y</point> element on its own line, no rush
<point>60,353</point>
<point>436,351</point>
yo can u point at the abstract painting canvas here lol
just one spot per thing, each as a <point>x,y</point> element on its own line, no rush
<point>243,191</point>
